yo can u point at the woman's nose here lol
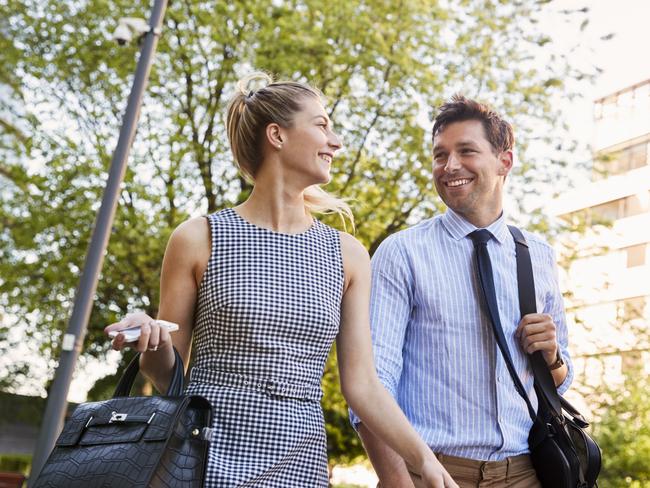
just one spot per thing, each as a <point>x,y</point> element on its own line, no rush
<point>335,141</point>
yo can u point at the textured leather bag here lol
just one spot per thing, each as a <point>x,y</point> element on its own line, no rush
<point>563,454</point>
<point>158,441</point>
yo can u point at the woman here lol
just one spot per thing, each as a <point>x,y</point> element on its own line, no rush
<point>265,288</point>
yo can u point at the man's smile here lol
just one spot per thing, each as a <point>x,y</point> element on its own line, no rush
<point>458,182</point>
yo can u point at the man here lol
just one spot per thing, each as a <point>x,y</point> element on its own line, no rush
<point>433,342</point>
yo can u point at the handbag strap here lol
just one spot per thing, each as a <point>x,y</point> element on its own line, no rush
<point>544,382</point>
<point>176,385</point>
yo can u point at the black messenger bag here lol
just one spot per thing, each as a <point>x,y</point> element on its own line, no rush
<point>563,454</point>
<point>124,442</point>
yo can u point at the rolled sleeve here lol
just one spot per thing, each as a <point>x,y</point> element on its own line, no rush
<point>390,309</point>
<point>555,308</point>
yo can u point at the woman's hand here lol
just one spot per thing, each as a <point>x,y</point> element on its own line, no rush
<point>432,475</point>
<point>152,336</point>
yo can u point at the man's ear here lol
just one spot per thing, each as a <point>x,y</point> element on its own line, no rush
<point>274,135</point>
<point>506,160</point>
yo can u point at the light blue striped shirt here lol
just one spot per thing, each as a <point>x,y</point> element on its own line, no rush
<point>433,343</point>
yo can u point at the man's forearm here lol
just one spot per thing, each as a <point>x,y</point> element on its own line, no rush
<point>389,466</point>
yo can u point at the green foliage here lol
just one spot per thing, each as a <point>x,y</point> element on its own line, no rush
<point>623,433</point>
<point>382,65</point>
<point>21,409</point>
<point>343,444</point>
<point>15,463</point>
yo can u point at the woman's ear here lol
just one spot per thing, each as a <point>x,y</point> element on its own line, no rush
<point>274,135</point>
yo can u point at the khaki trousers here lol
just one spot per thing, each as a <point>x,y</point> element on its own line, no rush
<point>513,472</point>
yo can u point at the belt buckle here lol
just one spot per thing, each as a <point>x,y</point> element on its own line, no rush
<point>271,387</point>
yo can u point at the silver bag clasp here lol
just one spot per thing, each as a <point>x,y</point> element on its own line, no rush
<point>117,417</point>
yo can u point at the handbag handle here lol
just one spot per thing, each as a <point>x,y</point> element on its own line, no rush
<point>176,385</point>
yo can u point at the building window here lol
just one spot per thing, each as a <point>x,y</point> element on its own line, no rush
<point>638,156</point>
<point>636,255</point>
<point>614,163</point>
<point>606,213</point>
<point>633,205</point>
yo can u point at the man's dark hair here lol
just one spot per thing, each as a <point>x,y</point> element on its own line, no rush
<point>497,131</point>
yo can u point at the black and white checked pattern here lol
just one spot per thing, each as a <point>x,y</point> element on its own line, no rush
<point>268,311</point>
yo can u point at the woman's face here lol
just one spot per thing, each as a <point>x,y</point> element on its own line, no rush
<point>309,146</point>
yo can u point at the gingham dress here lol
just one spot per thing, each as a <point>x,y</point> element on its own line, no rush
<point>267,314</point>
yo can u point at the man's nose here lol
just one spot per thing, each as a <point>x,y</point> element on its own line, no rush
<point>453,163</point>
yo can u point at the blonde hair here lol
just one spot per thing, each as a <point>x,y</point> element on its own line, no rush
<point>258,102</point>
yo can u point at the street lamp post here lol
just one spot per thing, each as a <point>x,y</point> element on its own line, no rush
<point>76,331</point>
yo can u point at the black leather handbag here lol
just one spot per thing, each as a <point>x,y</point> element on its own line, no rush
<point>124,442</point>
<point>563,454</point>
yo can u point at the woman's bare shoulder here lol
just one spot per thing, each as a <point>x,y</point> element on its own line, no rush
<point>356,260</point>
<point>352,249</point>
<point>193,231</point>
<point>191,239</point>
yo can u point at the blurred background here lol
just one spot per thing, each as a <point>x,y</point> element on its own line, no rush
<point>572,76</point>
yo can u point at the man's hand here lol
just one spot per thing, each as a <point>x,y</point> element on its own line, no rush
<point>536,332</point>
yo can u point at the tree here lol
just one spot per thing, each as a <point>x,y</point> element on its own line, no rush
<point>623,431</point>
<point>382,65</point>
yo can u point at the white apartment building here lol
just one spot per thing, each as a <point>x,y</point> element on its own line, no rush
<point>608,281</point>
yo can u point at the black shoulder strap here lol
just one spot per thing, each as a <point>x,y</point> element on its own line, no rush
<point>544,383</point>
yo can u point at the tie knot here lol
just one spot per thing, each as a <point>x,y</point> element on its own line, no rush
<point>480,236</point>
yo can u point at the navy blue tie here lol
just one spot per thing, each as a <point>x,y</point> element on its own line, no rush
<point>480,237</point>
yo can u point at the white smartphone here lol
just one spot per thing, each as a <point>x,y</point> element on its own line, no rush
<point>133,334</point>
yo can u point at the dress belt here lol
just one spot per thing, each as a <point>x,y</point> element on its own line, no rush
<point>271,387</point>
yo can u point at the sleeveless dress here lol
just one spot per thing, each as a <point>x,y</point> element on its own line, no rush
<point>267,313</point>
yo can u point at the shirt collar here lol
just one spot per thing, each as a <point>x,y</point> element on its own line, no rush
<point>459,228</point>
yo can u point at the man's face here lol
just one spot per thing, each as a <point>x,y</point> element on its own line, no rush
<point>467,173</point>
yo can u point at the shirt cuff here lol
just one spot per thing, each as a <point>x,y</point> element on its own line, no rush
<point>354,420</point>
<point>564,386</point>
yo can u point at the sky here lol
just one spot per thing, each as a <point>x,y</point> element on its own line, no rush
<point>623,59</point>
<point>614,45</point>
